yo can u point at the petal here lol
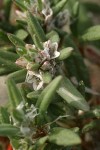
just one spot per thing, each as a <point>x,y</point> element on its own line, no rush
<point>40,85</point>
<point>29,46</point>
<point>21,62</point>
<point>56,54</point>
<point>54,46</point>
<point>47,12</point>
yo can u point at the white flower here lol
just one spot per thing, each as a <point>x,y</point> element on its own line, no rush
<point>30,46</point>
<point>47,12</point>
<point>50,50</point>
<point>35,78</point>
<point>31,112</point>
<point>22,62</point>
<point>20,106</point>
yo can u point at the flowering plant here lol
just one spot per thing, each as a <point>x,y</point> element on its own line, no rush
<point>47,110</point>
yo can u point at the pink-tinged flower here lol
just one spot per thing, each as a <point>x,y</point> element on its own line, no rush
<point>35,79</point>
<point>22,62</point>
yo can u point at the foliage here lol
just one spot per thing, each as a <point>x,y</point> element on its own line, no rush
<point>42,53</point>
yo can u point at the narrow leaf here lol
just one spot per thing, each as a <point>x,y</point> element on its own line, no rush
<point>4,115</point>
<point>18,76</point>
<point>13,93</point>
<point>15,40</point>
<point>63,137</point>
<point>70,94</point>
<point>65,53</point>
<point>92,34</point>
<point>37,29</point>
<point>59,6</point>
<point>8,130</point>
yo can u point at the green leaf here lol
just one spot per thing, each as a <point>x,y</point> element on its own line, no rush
<point>71,95</point>
<point>92,34</point>
<point>4,115</point>
<point>46,77</point>
<point>63,137</point>
<point>5,70</point>
<point>8,55</point>
<point>37,42</point>
<point>40,142</point>
<point>39,4</point>
<point>14,95</point>
<point>15,40</point>
<point>59,6</point>
<point>36,27</point>
<point>33,95</point>
<point>8,64</point>
<point>53,36</point>
<point>21,5</point>
<point>9,130</point>
<point>3,37</point>
<point>18,76</point>
<point>75,63</point>
<point>76,9</point>
<point>18,115</point>
<point>21,34</point>
<point>65,53</point>
<point>46,97</point>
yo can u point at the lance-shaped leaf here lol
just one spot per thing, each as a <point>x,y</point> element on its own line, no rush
<point>3,37</point>
<point>33,95</point>
<point>13,93</point>
<point>40,142</point>
<point>53,36</point>
<point>21,34</point>
<point>75,64</point>
<point>21,5</point>
<point>36,27</point>
<point>46,96</point>
<point>59,6</point>
<point>18,76</point>
<point>71,95</point>
<point>15,40</point>
<point>8,64</point>
<point>4,115</point>
<point>5,70</point>
<point>63,137</point>
<point>18,115</point>
<point>92,34</point>
<point>39,4</point>
<point>9,130</point>
<point>8,55</point>
<point>65,53</point>
<point>37,42</point>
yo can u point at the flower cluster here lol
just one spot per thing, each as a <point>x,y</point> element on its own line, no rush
<point>45,14</point>
<point>44,60</point>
